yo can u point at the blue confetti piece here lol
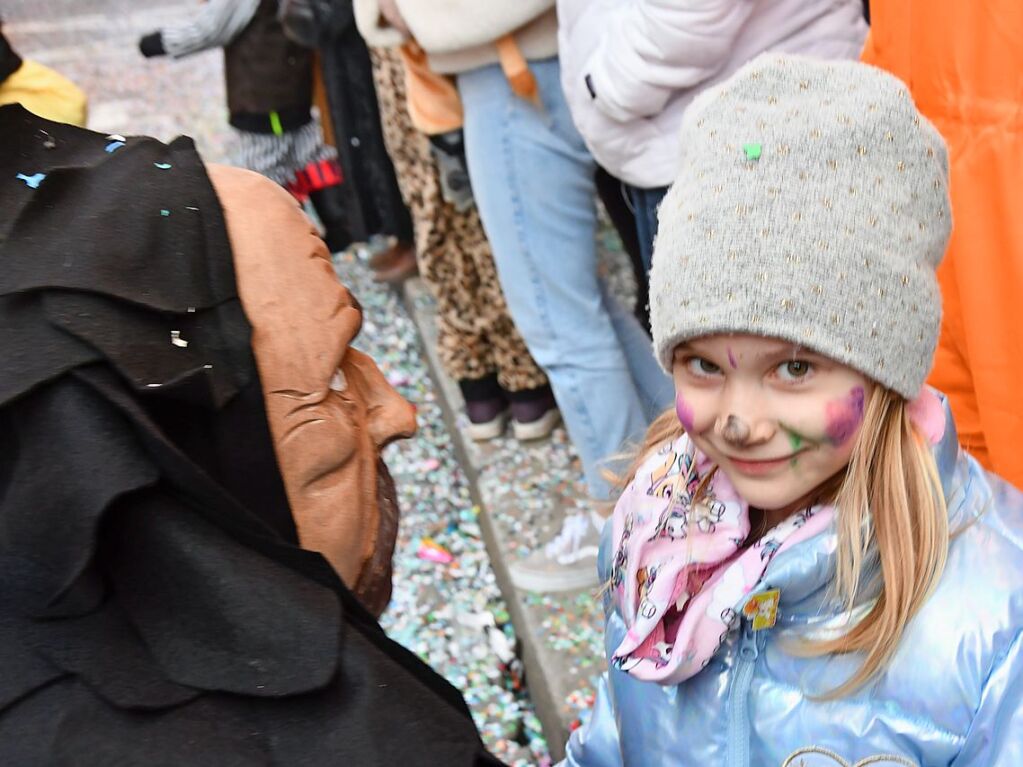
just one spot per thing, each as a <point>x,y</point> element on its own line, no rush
<point>113,146</point>
<point>164,212</point>
<point>162,165</point>
<point>34,180</point>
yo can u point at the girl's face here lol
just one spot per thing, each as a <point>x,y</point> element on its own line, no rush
<point>777,419</point>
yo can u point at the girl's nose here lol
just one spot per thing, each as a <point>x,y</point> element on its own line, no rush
<point>742,430</point>
<point>735,431</point>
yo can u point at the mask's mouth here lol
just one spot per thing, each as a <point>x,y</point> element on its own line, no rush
<point>374,585</point>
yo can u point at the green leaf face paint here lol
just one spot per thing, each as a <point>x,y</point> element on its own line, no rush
<point>795,440</point>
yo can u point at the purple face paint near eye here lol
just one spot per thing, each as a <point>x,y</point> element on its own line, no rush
<point>844,416</point>
<point>731,359</point>
<point>684,412</point>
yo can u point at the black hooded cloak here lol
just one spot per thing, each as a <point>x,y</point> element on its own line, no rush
<point>155,606</point>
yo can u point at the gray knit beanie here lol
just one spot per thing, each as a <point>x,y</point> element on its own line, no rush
<point>812,205</point>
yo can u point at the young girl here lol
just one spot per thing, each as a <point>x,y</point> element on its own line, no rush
<point>805,569</point>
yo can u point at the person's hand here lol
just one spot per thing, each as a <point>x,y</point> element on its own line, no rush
<point>152,45</point>
<point>389,10</point>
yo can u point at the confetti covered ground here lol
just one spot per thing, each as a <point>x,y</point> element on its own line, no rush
<point>449,612</point>
<point>447,606</point>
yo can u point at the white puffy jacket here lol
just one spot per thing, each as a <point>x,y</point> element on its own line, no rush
<point>630,67</point>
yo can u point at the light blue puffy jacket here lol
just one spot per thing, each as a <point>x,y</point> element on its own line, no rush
<point>952,695</point>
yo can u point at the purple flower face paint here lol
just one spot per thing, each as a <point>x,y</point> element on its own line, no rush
<point>844,416</point>
<point>731,359</point>
<point>684,412</point>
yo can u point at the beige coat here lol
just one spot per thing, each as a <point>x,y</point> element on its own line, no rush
<point>459,35</point>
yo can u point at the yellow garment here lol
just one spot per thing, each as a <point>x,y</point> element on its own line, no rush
<point>46,93</point>
<point>963,62</point>
<point>433,101</point>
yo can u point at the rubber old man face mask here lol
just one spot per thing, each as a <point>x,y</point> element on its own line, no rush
<point>329,408</point>
<point>779,420</point>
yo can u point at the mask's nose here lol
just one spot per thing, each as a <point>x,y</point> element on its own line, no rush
<point>389,415</point>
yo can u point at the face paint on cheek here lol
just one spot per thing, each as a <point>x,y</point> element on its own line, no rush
<point>795,440</point>
<point>684,412</point>
<point>731,359</point>
<point>796,443</point>
<point>844,416</point>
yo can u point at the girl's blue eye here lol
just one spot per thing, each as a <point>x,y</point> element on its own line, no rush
<point>698,366</point>
<point>794,370</point>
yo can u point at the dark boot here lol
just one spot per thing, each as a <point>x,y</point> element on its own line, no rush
<point>329,205</point>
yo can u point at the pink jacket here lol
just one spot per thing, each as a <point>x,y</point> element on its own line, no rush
<point>629,68</point>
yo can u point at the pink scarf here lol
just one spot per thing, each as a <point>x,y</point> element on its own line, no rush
<point>679,573</point>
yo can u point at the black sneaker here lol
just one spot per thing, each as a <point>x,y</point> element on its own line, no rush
<point>487,418</point>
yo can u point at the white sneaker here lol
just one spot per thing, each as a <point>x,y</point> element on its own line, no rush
<point>567,562</point>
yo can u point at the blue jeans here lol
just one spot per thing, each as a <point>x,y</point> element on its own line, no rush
<point>533,181</point>
<point>644,207</point>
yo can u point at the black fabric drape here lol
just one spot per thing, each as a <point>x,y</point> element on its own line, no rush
<point>370,181</point>
<point>156,608</point>
<point>10,61</point>
<point>612,196</point>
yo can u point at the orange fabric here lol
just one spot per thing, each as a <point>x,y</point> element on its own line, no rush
<point>516,69</point>
<point>963,62</point>
<point>321,102</point>
<point>433,101</point>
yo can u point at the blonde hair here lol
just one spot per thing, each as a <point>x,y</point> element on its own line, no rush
<point>892,526</point>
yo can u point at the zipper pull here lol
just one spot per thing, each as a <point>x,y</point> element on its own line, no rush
<point>748,649</point>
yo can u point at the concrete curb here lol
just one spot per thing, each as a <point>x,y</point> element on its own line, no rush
<point>559,677</point>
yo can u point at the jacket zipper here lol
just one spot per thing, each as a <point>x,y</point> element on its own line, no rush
<point>738,698</point>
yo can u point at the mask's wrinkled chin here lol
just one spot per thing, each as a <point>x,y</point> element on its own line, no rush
<point>374,585</point>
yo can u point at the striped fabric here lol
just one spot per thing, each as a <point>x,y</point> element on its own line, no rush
<point>215,24</point>
<point>280,158</point>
